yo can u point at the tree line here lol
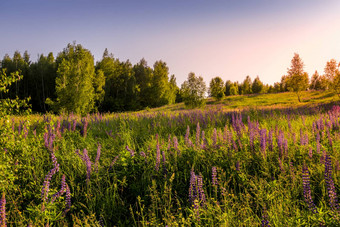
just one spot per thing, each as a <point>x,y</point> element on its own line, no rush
<point>73,82</point>
<point>296,80</point>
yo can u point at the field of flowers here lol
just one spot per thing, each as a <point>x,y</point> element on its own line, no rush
<point>269,167</point>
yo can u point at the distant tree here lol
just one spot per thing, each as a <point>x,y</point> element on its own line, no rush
<point>297,79</point>
<point>74,82</point>
<point>332,74</point>
<point>257,86</point>
<point>318,82</point>
<point>193,91</point>
<point>324,83</point>
<point>98,85</point>
<point>161,92</point>
<point>42,76</point>
<point>233,90</point>
<point>283,84</point>
<point>331,69</point>
<point>277,87</point>
<point>143,75</point>
<point>216,88</point>
<point>271,89</point>
<point>228,84</point>
<point>174,94</point>
<point>246,86</point>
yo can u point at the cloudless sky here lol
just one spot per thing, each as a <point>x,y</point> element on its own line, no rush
<point>230,39</point>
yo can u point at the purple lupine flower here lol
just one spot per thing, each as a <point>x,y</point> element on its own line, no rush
<point>62,190</point>
<point>48,177</point>
<point>175,143</point>
<point>270,140</point>
<point>263,135</point>
<point>113,162</point>
<point>214,137</point>
<point>306,189</point>
<point>187,134</point>
<point>69,126</point>
<point>169,142</point>
<point>214,176</point>
<point>198,133</point>
<point>333,199</point>
<point>97,156</point>
<point>158,156</point>
<point>225,134</point>
<point>237,166</point>
<point>192,187</point>
<point>57,128</point>
<point>164,165</point>
<point>67,199</point>
<point>235,148</point>
<point>3,210</point>
<point>200,189</point>
<point>88,165</point>
<point>132,152</point>
<point>85,125</point>
<point>74,125</point>
<point>204,144</point>
<point>25,131</point>
<point>310,153</point>
<point>19,128</point>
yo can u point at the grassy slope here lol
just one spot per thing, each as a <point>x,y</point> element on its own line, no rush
<point>279,100</point>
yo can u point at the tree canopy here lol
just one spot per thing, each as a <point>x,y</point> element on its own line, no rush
<point>75,81</point>
<point>193,91</point>
<point>216,88</point>
<point>297,80</point>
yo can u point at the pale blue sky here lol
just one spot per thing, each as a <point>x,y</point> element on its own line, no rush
<point>230,39</point>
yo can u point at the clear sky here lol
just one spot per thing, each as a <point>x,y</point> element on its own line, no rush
<point>230,39</point>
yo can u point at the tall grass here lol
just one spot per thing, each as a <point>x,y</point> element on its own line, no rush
<point>265,166</point>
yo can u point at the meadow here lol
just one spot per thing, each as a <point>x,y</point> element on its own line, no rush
<point>260,160</point>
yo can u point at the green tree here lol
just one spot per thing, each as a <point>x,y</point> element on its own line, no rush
<point>161,92</point>
<point>75,80</point>
<point>257,86</point>
<point>143,74</point>
<point>332,74</point>
<point>233,90</point>
<point>193,91</point>
<point>246,86</point>
<point>7,105</point>
<point>217,88</point>
<point>42,77</point>
<point>297,79</point>
<point>228,84</point>
<point>174,90</point>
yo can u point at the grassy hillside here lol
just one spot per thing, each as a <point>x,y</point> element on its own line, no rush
<point>278,100</point>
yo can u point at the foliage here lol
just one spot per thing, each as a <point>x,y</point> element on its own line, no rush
<point>233,90</point>
<point>246,86</point>
<point>193,91</point>
<point>297,80</point>
<point>11,106</point>
<point>228,84</point>
<point>216,88</point>
<point>75,80</point>
<point>257,87</point>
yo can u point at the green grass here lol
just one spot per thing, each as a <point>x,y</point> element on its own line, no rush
<point>253,184</point>
<point>278,100</point>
